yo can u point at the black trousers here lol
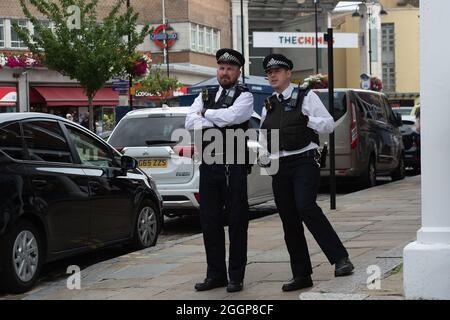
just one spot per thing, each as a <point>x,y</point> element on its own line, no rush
<point>295,188</point>
<point>215,195</point>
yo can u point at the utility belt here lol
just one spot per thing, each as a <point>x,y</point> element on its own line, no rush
<point>313,153</point>
<point>319,156</point>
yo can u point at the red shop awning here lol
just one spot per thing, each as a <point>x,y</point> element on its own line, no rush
<point>72,96</point>
<point>8,96</point>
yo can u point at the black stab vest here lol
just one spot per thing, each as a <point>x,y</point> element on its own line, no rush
<point>211,104</point>
<point>294,133</point>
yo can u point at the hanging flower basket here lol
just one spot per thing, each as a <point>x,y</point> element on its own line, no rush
<point>23,60</point>
<point>376,84</point>
<point>138,64</point>
<point>317,81</point>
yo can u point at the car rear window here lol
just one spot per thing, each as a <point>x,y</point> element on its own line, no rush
<point>136,132</point>
<point>340,103</point>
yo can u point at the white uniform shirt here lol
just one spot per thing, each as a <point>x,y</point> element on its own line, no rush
<point>320,120</point>
<point>239,112</point>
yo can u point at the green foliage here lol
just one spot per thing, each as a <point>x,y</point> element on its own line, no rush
<point>91,54</point>
<point>158,84</point>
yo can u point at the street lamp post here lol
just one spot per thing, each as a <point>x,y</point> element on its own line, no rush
<point>166,49</point>
<point>130,96</point>
<point>357,14</point>
<point>369,13</point>
<point>242,39</point>
<point>317,38</point>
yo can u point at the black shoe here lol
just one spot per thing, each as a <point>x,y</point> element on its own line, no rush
<point>343,267</point>
<point>209,284</point>
<point>234,286</point>
<point>297,283</point>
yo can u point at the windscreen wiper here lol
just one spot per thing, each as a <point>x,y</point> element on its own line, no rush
<point>153,142</point>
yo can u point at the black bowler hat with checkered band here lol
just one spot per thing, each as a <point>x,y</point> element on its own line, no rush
<point>230,56</point>
<point>275,61</point>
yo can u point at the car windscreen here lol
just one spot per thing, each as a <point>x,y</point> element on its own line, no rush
<point>151,130</point>
<point>407,126</point>
<point>403,112</point>
<point>340,103</point>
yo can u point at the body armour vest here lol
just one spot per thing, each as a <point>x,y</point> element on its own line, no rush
<point>292,124</point>
<point>225,102</point>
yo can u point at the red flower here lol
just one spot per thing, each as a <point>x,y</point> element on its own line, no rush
<point>376,84</point>
<point>140,68</point>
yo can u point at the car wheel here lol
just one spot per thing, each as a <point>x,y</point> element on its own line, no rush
<point>21,257</point>
<point>369,179</point>
<point>148,226</point>
<point>399,172</point>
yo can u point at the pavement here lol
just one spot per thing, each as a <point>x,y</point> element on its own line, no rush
<point>374,224</point>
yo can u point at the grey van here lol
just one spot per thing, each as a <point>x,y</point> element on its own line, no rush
<point>368,141</point>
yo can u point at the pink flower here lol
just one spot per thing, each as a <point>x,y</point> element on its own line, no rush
<point>140,68</point>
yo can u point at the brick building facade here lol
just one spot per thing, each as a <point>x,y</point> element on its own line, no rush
<point>202,27</point>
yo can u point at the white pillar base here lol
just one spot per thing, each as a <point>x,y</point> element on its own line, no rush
<point>426,271</point>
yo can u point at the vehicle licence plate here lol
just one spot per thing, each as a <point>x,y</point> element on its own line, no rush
<point>153,163</point>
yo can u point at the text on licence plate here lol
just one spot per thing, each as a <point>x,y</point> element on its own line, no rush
<point>153,163</point>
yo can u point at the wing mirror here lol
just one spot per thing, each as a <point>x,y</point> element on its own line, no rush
<point>128,163</point>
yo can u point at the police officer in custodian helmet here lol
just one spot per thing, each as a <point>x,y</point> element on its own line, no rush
<point>299,116</point>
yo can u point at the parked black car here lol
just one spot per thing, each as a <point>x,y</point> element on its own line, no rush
<point>63,191</point>
<point>411,141</point>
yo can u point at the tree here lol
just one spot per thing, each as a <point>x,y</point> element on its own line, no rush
<point>158,84</point>
<point>80,45</point>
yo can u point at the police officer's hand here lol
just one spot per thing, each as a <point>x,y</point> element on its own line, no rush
<point>264,160</point>
<point>304,119</point>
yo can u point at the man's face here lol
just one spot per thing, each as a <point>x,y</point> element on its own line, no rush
<point>279,78</point>
<point>228,74</point>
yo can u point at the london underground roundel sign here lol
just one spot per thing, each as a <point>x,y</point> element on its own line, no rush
<point>158,36</point>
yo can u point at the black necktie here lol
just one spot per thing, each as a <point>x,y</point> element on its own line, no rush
<point>222,96</point>
<point>284,102</point>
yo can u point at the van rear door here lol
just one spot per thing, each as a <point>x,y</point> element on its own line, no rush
<point>342,121</point>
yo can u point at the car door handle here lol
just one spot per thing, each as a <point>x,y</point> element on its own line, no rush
<point>39,183</point>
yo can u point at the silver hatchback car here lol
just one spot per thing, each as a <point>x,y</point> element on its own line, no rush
<point>146,135</point>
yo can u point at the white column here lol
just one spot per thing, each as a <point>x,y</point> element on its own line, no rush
<point>427,261</point>
<point>364,39</point>
<point>237,43</point>
<point>364,25</point>
<point>23,92</point>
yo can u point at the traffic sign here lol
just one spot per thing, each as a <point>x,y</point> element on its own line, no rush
<point>120,89</point>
